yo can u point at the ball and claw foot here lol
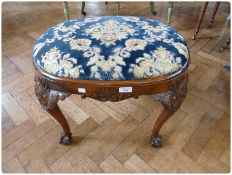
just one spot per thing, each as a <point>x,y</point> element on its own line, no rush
<point>66,139</point>
<point>156,141</point>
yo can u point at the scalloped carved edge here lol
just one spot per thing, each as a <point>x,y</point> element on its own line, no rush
<point>47,97</point>
<point>173,98</point>
<point>109,94</point>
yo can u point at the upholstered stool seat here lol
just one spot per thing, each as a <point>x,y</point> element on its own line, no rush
<point>111,59</point>
<point>111,48</point>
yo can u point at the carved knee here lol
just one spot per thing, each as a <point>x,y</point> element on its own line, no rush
<point>47,97</point>
<point>173,98</point>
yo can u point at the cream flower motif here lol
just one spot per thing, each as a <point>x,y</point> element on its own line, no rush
<point>51,66</point>
<point>80,44</point>
<point>182,49</point>
<point>66,65</point>
<point>65,33</point>
<point>135,44</point>
<point>109,32</point>
<point>86,20</point>
<point>122,52</point>
<point>160,62</point>
<point>131,18</point>
<point>111,66</point>
<point>153,29</point>
<point>88,53</point>
<point>50,60</point>
<point>162,54</point>
<point>76,71</point>
<point>54,63</point>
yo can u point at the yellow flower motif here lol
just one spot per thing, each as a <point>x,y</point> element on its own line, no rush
<point>135,44</point>
<point>80,44</point>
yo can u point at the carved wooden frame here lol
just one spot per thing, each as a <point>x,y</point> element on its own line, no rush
<point>170,91</point>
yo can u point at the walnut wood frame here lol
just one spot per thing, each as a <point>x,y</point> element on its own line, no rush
<point>170,91</point>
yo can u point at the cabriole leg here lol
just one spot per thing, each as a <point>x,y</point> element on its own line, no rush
<point>171,101</point>
<point>48,98</point>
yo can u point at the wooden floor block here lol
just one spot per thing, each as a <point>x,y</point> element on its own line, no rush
<point>136,165</point>
<point>112,165</point>
<point>14,110</point>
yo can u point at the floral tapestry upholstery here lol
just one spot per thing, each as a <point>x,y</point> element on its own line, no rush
<point>111,48</point>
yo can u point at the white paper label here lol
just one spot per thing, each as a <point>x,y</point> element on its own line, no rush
<point>125,89</point>
<point>81,90</point>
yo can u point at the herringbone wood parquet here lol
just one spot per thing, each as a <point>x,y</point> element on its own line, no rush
<point>114,137</point>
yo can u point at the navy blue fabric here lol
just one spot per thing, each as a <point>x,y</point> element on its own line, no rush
<point>111,48</point>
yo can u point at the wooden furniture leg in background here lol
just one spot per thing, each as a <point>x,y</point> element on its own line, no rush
<point>117,8</point>
<point>227,43</point>
<point>83,8</point>
<point>171,101</point>
<point>66,10</point>
<point>152,6</point>
<point>48,98</point>
<point>170,8</point>
<point>214,13</point>
<point>226,66</point>
<point>202,14</point>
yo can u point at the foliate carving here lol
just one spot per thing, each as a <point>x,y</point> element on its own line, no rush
<point>109,94</point>
<point>47,97</point>
<point>173,98</point>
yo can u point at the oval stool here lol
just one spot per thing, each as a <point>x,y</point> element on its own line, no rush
<point>111,58</point>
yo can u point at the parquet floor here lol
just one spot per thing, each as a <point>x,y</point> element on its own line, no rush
<point>114,137</point>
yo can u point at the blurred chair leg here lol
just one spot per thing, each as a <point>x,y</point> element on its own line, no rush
<point>227,43</point>
<point>226,66</point>
<point>117,6</point>
<point>170,8</point>
<point>214,13</point>
<point>152,6</point>
<point>202,14</point>
<point>83,8</point>
<point>66,10</point>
